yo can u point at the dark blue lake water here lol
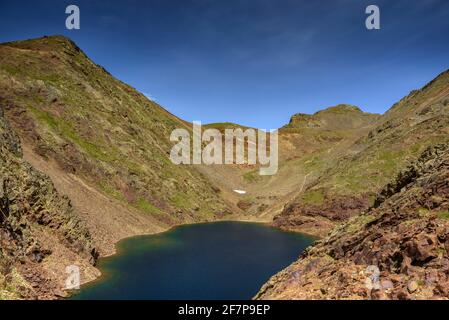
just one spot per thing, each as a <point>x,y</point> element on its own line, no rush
<point>223,260</point>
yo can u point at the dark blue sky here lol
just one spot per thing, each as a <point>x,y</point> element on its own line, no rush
<point>254,62</point>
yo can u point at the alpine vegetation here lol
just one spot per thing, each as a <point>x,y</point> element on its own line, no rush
<point>256,147</point>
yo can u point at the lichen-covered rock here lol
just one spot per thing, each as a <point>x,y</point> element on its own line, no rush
<point>398,249</point>
<point>29,204</point>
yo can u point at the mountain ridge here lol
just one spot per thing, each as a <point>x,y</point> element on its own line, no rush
<point>105,146</point>
<point>394,140</point>
<point>57,99</point>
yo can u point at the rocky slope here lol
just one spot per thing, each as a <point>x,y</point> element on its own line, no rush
<point>104,144</point>
<point>398,249</point>
<point>37,227</point>
<point>106,147</point>
<point>389,143</point>
<point>308,145</point>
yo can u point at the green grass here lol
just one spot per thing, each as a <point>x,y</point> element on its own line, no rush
<point>16,281</point>
<point>314,162</point>
<point>315,197</point>
<point>45,117</point>
<point>52,77</point>
<point>62,127</point>
<point>410,222</point>
<point>390,160</point>
<point>367,174</point>
<point>443,215</point>
<point>252,176</point>
<point>11,70</point>
<point>111,191</point>
<point>89,115</point>
<point>180,201</point>
<point>143,205</point>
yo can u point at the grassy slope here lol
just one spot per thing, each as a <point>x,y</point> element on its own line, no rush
<point>307,146</point>
<point>335,153</point>
<point>103,142</point>
<point>393,141</point>
<point>72,112</point>
<point>404,235</point>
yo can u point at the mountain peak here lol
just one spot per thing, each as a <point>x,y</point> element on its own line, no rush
<point>46,43</point>
<point>341,116</point>
<point>341,108</point>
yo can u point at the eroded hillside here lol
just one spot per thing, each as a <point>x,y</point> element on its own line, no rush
<point>350,184</point>
<point>103,143</point>
<point>106,148</point>
<point>398,249</point>
<point>308,146</point>
<point>39,232</point>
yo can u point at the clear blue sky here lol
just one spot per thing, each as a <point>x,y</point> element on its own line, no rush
<point>254,62</point>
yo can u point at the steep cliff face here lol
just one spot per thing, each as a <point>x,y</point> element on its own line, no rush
<point>398,249</point>
<point>39,233</point>
<point>349,184</point>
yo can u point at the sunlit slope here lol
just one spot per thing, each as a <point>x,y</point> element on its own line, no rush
<point>72,112</point>
<point>398,249</point>
<point>349,185</point>
<point>308,145</point>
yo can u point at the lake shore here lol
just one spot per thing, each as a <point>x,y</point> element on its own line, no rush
<point>234,234</point>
